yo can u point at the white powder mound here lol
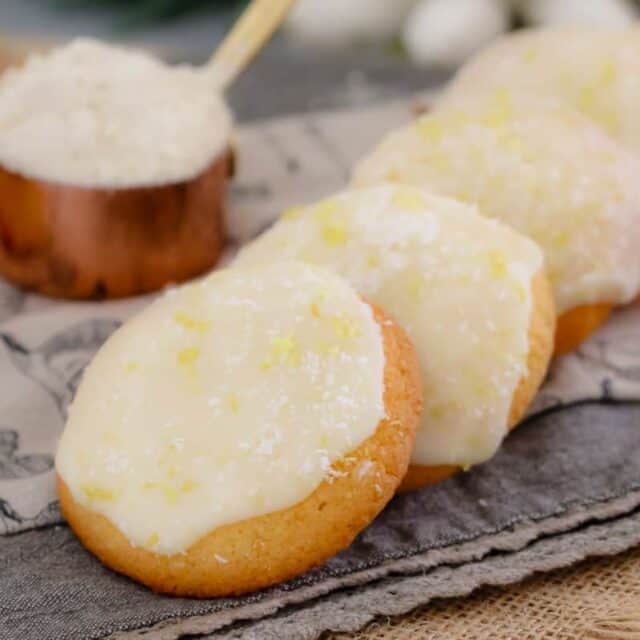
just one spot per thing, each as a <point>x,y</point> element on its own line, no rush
<point>92,114</point>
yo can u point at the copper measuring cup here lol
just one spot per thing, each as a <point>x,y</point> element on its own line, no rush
<point>79,242</point>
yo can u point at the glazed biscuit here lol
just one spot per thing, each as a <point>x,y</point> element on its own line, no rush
<point>239,432</point>
<point>590,69</point>
<point>542,168</point>
<point>470,292</point>
<point>540,346</point>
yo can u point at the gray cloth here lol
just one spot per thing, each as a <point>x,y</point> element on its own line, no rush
<point>575,462</point>
<point>401,593</point>
<point>559,472</point>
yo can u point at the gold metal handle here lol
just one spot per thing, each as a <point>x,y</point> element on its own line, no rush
<point>249,34</point>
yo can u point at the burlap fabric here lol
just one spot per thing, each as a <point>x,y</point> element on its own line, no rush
<point>595,600</point>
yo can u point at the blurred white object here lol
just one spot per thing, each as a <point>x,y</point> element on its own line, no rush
<point>446,32</point>
<point>602,13</point>
<point>340,23</point>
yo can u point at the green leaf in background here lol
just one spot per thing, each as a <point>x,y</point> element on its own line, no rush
<point>133,14</point>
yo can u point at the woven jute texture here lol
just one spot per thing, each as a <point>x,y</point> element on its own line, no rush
<point>595,600</point>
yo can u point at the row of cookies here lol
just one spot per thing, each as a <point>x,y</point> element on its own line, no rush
<point>246,427</point>
<point>565,179</point>
<point>529,161</point>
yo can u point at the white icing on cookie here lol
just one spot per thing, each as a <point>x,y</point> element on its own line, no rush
<point>460,285</point>
<point>540,167</point>
<point>596,71</point>
<point>225,400</point>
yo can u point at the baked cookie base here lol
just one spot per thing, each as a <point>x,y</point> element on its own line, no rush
<point>576,325</point>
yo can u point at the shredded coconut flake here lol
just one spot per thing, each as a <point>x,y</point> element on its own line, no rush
<point>97,115</point>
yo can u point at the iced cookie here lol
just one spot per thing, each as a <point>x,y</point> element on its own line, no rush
<point>545,170</point>
<point>593,70</point>
<point>239,431</point>
<point>469,291</point>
